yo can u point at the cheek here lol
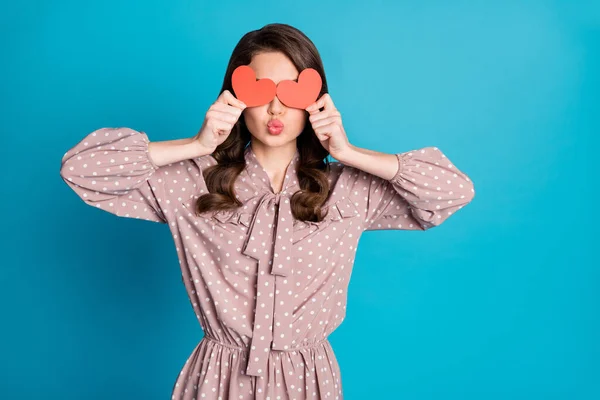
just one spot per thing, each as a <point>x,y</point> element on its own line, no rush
<point>251,117</point>
<point>299,118</point>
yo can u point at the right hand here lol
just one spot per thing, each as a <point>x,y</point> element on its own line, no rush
<point>219,120</point>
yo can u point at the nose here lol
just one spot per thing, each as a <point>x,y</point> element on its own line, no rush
<point>276,106</point>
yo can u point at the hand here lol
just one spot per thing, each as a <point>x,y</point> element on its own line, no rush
<point>328,127</point>
<point>219,121</point>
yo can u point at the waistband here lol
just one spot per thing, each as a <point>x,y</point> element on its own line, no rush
<point>246,348</point>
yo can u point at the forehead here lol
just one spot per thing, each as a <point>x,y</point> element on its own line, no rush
<point>273,65</point>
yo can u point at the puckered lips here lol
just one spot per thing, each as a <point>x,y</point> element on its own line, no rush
<point>275,126</point>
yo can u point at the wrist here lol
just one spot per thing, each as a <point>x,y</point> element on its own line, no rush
<point>197,149</point>
<point>348,155</point>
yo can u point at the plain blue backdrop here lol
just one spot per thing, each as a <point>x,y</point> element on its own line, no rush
<point>500,302</point>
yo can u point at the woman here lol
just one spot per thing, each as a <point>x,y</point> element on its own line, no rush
<point>266,228</point>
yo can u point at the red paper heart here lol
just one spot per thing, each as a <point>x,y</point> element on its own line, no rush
<point>252,92</point>
<point>303,93</point>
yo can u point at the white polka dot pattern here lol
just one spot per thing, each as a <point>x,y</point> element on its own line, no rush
<point>425,191</point>
<point>110,169</point>
<point>275,272</point>
<point>267,289</point>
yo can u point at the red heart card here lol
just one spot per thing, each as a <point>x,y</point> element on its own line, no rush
<point>303,93</point>
<point>254,93</point>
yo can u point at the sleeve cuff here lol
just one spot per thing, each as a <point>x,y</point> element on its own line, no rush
<point>401,160</point>
<point>147,151</point>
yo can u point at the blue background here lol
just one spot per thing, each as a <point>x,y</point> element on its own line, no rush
<point>500,302</point>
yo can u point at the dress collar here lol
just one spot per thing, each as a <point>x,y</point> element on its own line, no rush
<point>259,177</point>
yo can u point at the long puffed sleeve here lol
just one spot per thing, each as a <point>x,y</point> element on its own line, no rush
<point>112,170</point>
<point>426,190</point>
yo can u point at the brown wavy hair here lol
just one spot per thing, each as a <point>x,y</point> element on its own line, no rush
<point>313,165</point>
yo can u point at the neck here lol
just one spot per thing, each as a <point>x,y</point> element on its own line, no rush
<point>274,159</point>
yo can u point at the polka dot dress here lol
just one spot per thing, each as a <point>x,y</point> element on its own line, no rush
<point>267,289</point>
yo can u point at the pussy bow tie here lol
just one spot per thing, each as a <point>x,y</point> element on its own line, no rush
<point>273,313</point>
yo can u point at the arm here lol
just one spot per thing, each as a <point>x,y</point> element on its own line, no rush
<point>119,171</point>
<point>172,151</point>
<point>415,190</point>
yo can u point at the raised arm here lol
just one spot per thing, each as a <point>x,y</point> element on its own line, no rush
<point>112,169</point>
<point>415,190</point>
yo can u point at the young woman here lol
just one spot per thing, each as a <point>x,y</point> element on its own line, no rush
<point>266,229</point>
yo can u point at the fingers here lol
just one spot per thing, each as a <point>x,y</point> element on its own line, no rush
<point>224,113</point>
<point>220,122</point>
<point>322,118</point>
<point>324,132</point>
<point>324,102</point>
<point>326,121</point>
<point>319,116</point>
<point>222,127</point>
<point>225,116</point>
<point>227,108</point>
<point>228,98</point>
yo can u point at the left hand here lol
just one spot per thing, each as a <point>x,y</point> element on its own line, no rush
<point>328,127</point>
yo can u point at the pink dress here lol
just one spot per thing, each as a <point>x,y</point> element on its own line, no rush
<point>267,289</point>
